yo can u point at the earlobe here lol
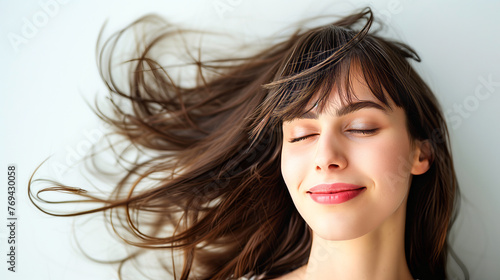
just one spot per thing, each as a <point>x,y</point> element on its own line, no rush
<point>423,157</point>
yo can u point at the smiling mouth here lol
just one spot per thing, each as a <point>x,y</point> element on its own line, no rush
<point>333,192</point>
<point>331,197</point>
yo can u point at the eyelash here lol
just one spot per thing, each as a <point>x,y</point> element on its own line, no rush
<point>300,138</point>
<point>364,131</point>
<point>357,131</point>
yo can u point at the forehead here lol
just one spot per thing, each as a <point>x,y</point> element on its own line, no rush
<point>356,91</point>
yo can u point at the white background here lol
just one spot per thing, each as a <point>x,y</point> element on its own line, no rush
<point>45,80</point>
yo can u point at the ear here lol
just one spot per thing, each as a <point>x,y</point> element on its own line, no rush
<point>422,158</point>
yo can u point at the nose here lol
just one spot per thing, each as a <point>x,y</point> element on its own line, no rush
<point>330,155</point>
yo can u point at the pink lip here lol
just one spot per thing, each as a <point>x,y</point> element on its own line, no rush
<point>334,193</point>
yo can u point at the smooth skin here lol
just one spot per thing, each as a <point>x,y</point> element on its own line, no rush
<point>366,145</point>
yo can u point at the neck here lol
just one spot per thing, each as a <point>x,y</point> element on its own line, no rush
<point>376,255</point>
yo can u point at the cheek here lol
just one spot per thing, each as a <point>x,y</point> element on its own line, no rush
<point>293,167</point>
<point>388,162</point>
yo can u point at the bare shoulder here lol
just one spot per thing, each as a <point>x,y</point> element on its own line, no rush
<point>297,274</point>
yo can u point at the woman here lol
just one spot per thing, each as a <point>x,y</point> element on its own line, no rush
<point>324,156</point>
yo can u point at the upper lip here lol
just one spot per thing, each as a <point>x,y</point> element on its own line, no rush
<point>333,188</point>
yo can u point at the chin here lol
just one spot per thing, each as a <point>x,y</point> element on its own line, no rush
<point>337,232</point>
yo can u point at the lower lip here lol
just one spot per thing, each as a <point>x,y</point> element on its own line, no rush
<point>335,198</point>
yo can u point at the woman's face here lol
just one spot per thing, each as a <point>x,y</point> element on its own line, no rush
<point>364,145</point>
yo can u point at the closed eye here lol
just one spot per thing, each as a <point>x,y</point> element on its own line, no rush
<point>355,131</point>
<point>300,138</point>
<point>363,131</point>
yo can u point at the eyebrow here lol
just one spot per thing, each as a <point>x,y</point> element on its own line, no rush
<point>349,108</point>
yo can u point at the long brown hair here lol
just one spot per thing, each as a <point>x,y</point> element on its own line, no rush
<point>216,147</point>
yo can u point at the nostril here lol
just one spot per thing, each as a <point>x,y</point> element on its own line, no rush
<point>333,166</point>
<point>327,167</point>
